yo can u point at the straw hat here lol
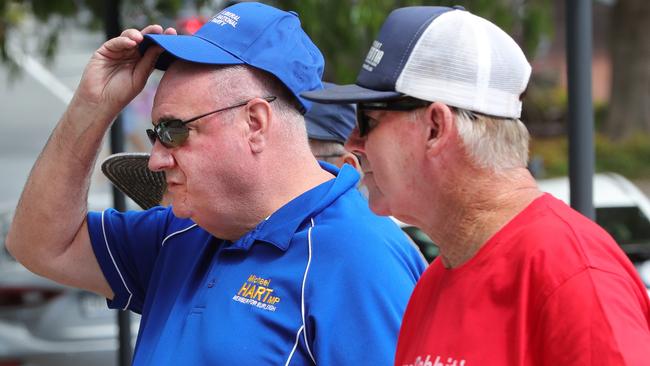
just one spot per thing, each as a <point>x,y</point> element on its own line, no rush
<point>130,174</point>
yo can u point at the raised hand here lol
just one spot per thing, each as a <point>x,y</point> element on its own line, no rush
<point>116,72</point>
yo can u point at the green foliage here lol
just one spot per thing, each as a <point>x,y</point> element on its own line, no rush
<point>527,21</point>
<point>168,6</point>
<point>51,15</point>
<point>554,153</point>
<point>545,102</point>
<point>44,9</point>
<point>344,29</point>
<point>11,14</point>
<point>630,158</point>
<point>537,24</point>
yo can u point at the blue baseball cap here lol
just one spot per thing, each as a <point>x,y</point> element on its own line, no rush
<point>330,122</point>
<point>253,34</point>
<point>439,54</point>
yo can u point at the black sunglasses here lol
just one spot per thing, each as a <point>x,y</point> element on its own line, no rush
<point>401,104</point>
<point>173,133</point>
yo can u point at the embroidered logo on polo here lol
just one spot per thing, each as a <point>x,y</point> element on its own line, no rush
<point>374,56</point>
<point>257,292</point>
<point>226,17</point>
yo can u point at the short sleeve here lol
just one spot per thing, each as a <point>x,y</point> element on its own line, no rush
<point>594,318</point>
<point>126,246</point>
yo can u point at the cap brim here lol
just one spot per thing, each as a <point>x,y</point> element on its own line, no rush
<point>130,173</point>
<point>349,94</point>
<point>316,132</point>
<point>188,48</point>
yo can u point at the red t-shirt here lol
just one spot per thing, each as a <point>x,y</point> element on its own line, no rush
<point>550,288</point>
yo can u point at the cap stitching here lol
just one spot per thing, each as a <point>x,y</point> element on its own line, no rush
<point>221,48</point>
<point>416,36</point>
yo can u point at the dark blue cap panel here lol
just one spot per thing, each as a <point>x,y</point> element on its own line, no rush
<point>330,122</point>
<point>390,50</point>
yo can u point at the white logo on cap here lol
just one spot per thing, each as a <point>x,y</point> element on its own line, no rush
<point>373,58</point>
<point>226,17</point>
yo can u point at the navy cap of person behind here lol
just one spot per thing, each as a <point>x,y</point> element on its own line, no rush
<point>330,122</point>
<point>253,34</point>
<point>439,54</point>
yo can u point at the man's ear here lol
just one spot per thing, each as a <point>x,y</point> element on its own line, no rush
<point>350,158</point>
<point>259,118</point>
<point>439,126</point>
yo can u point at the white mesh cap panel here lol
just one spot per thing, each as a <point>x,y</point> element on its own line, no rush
<point>467,62</point>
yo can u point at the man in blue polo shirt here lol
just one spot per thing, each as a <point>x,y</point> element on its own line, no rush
<point>264,257</point>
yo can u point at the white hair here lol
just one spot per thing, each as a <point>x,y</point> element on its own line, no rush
<point>492,142</point>
<point>326,150</point>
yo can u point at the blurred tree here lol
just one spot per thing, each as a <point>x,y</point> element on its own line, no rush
<point>629,107</point>
<point>86,13</point>
<point>344,29</point>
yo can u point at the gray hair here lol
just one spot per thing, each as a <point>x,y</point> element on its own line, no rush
<point>243,82</point>
<point>491,142</point>
<point>326,150</point>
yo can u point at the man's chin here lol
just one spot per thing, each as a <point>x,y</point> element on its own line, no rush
<point>180,211</point>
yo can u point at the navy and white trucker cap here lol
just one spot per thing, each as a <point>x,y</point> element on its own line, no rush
<point>253,34</point>
<point>439,54</point>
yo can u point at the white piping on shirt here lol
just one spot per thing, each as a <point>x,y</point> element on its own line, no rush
<point>294,345</point>
<point>174,233</point>
<point>128,302</point>
<point>303,328</point>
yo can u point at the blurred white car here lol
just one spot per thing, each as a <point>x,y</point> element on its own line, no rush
<point>44,323</point>
<point>621,209</point>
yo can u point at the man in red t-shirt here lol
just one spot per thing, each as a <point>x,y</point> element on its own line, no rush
<point>521,279</point>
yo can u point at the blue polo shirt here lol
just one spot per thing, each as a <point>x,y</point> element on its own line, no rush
<point>321,281</point>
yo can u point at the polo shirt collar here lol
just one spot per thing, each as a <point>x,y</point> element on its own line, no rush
<point>281,226</point>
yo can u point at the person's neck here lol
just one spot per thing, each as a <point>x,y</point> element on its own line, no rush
<point>283,182</point>
<point>477,209</point>
<point>293,176</point>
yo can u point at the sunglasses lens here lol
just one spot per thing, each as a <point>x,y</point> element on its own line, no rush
<point>170,133</point>
<point>174,136</point>
<point>152,136</point>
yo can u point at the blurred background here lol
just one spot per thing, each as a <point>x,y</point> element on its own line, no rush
<point>58,36</point>
<point>44,45</point>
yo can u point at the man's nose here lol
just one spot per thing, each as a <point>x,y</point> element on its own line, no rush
<point>161,158</point>
<point>355,143</point>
